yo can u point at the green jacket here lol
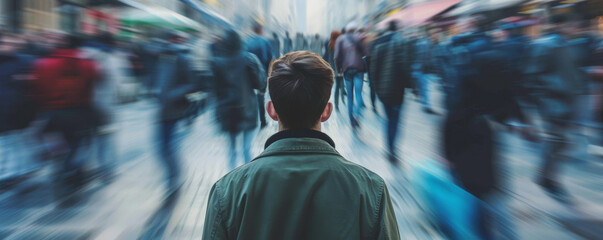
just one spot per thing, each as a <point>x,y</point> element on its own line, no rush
<point>300,188</point>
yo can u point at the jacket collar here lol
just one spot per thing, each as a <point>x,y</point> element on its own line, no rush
<point>299,133</point>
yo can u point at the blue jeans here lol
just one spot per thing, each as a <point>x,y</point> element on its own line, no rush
<point>393,122</point>
<point>169,156</point>
<point>247,138</point>
<point>353,85</point>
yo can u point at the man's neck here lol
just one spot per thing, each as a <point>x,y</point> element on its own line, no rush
<point>316,127</point>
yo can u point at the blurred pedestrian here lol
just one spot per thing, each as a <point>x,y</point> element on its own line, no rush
<point>300,187</point>
<point>238,75</point>
<point>555,81</point>
<point>17,108</point>
<point>330,57</point>
<point>299,42</point>
<point>316,45</point>
<point>275,44</point>
<point>390,71</point>
<point>287,44</point>
<point>176,80</point>
<point>261,48</point>
<point>348,60</point>
<point>64,83</point>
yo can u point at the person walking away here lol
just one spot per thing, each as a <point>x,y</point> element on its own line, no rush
<point>275,45</point>
<point>330,57</point>
<point>17,109</point>
<point>287,44</point>
<point>391,74</point>
<point>176,80</point>
<point>64,85</point>
<point>555,82</point>
<point>300,187</point>
<point>584,44</point>
<point>485,97</point>
<point>348,60</point>
<point>238,74</point>
<point>316,45</point>
<point>260,47</point>
<point>298,45</point>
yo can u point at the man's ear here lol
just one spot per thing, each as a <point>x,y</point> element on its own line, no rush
<point>271,111</point>
<point>326,114</point>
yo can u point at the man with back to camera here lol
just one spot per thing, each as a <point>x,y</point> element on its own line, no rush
<point>300,187</point>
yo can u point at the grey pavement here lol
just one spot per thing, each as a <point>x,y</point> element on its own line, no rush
<point>135,206</point>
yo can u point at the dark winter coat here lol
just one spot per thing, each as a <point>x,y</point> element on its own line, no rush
<point>237,74</point>
<point>176,80</point>
<point>390,68</point>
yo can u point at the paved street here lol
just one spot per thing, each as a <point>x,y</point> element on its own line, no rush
<point>134,206</point>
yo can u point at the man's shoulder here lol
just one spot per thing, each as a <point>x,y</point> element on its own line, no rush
<point>335,165</point>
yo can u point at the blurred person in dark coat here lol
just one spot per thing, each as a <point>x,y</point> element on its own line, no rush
<point>238,74</point>
<point>260,47</point>
<point>176,80</point>
<point>555,81</point>
<point>484,96</point>
<point>390,71</point>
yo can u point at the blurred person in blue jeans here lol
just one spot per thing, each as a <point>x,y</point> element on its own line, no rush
<point>238,75</point>
<point>262,49</point>
<point>390,71</point>
<point>348,60</point>
<point>176,80</point>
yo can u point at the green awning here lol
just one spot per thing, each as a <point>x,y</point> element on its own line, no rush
<point>149,14</point>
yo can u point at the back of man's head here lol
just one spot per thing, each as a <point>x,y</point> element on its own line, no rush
<point>300,87</point>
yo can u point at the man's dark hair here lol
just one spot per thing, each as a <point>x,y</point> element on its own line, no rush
<point>300,87</point>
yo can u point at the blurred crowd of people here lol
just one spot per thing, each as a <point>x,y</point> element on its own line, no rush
<point>65,89</point>
<point>493,77</point>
